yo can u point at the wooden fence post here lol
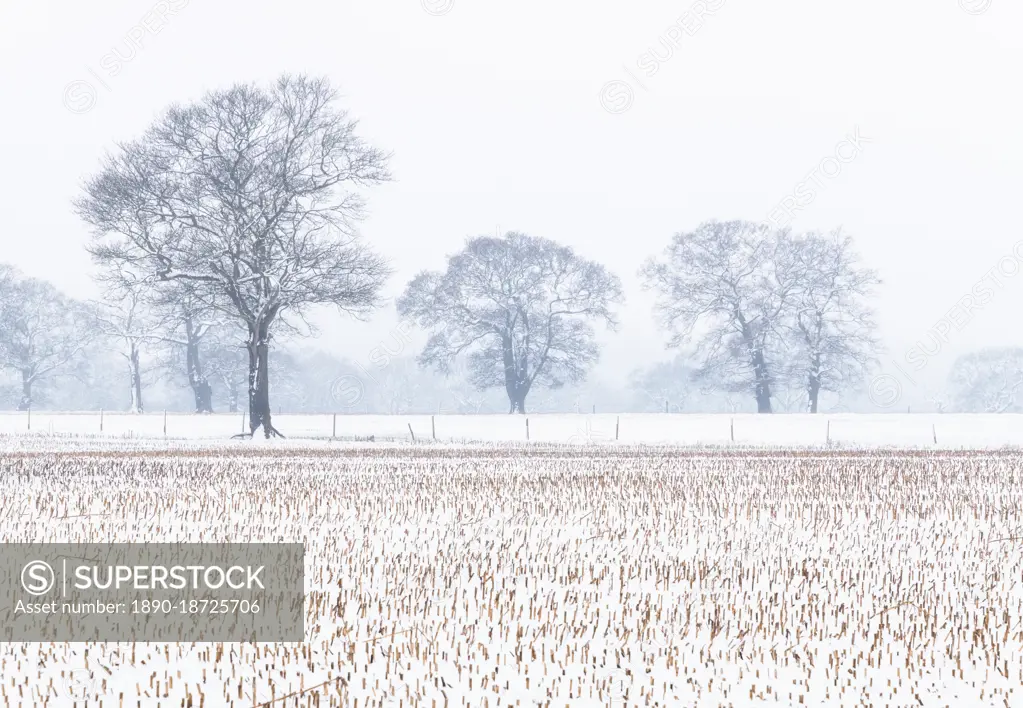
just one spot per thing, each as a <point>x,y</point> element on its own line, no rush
<point>618,421</point>
<point>333,430</point>
<point>527,428</point>
<point>433,427</point>
<point>732,429</point>
<point>411,433</point>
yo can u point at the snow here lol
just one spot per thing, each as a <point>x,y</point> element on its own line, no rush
<point>534,575</point>
<point>944,431</point>
<point>479,576</point>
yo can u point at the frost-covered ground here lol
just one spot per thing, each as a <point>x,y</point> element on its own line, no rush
<point>499,575</point>
<point>845,430</point>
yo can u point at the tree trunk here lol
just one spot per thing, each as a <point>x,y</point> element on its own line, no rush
<point>517,389</point>
<point>201,387</point>
<point>259,380</point>
<point>232,397</point>
<point>813,389</point>
<point>514,379</point>
<point>26,391</point>
<point>204,397</point>
<point>518,402</point>
<point>761,376</point>
<point>135,371</point>
<point>763,382</point>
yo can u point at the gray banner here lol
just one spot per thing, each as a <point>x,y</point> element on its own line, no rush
<point>161,592</point>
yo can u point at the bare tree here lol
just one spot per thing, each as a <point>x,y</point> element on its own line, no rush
<point>125,319</point>
<point>519,307</point>
<point>667,385</point>
<point>42,332</point>
<point>988,381</point>
<point>723,288</point>
<point>251,194</point>
<point>831,329</point>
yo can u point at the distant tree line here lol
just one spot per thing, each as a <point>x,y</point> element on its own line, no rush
<point>218,230</point>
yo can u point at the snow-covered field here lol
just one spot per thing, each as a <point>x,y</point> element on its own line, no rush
<point>555,576</point>
<point>845,430</point>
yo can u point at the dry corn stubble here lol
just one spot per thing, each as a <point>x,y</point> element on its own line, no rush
<point>552,576</point>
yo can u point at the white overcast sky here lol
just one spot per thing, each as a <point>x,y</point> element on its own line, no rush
<point>493,112</point>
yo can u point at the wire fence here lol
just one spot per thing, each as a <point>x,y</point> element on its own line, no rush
<point>778,430</point>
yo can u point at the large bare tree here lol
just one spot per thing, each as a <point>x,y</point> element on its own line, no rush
<point>519,308</point>
<point>723,289</point>
<point>831,325</point>
<point>252,193</point>
<point>42,332</point>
